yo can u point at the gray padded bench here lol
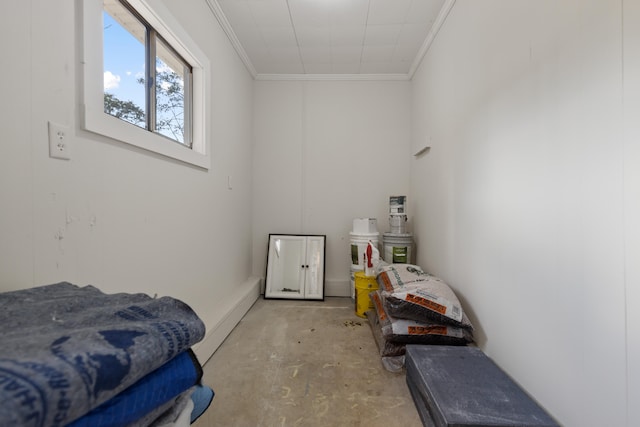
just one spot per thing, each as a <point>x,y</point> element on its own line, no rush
<point>461,386</point>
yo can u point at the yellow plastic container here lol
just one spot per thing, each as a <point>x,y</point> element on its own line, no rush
<point>364,286</point>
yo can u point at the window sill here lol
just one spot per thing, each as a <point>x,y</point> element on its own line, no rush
<point>103,124</point>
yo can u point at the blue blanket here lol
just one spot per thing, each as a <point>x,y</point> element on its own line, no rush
<point>66,350</point>
<point>154,390</point>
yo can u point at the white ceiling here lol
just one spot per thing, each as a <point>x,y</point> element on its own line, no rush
<point>319,38</point>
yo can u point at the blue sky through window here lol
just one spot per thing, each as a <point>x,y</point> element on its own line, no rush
<point>123,63</point>
<point>124,52</point>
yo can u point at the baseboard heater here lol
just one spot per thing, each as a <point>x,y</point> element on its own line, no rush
<point>461,386</point>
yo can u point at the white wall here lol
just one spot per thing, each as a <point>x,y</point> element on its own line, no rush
<point>631,213</point>
<point>114,216</point>
<point>327,152</point>
<point>527,202</point>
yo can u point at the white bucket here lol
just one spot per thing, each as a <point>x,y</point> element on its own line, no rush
<point>398,223</point>
<point>397,248</point>
<point>352,276</point>
<point>359,244</point>
<point>365,225</point>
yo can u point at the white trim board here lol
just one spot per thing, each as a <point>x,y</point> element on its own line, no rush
<point>218,333</point>
<point>337,288</point>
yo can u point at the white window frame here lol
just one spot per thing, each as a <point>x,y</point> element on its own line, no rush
<point>95,120</point>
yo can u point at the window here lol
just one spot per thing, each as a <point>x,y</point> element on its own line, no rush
<point>144,79</point>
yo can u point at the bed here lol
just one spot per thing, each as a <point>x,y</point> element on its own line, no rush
<point>75,356</point>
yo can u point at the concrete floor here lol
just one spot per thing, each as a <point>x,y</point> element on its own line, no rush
<point>304,363</point>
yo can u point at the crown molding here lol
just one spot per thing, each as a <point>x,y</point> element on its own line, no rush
<point>334,77</point>
<point>428,41</point>
<point>226,26</point>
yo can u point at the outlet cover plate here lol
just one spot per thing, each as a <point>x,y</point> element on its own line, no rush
<point>59,141</point>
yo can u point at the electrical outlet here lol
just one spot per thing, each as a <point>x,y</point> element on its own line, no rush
<point>59,141</point>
